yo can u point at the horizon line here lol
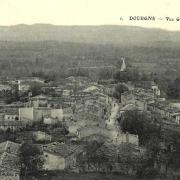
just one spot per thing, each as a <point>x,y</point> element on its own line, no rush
<point>68,25</point>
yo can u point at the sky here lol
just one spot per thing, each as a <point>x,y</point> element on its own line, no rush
<point>90,12</point>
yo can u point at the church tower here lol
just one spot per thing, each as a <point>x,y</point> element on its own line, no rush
<point>123,66</point>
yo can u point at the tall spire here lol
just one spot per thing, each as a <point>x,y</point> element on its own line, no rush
<point>123,66</point>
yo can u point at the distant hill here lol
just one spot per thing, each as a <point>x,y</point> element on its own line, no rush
<point>49,49</point>
<point>107,34</point>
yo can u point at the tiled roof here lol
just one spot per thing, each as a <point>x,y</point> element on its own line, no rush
<point>91,130</point>
<point>41,96</point>
<point>60,149</point>
<point>9,147</point>
<point>9,160</point>
<point>128,107</point>
<point>9,164</point>
<point>11,111</point>
<point>12,123</point>
<point>91,88</point>
<point>112,151</point>
<point>166,107</point>
<point>4,87</point>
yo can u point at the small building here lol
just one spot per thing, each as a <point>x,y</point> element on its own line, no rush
<point>11,114</point>
<point>37,114</point>
<point>67,112</point>
<point>91,89</point>
<point>49,120</point>
<point>73,126</point>
<point>126,138</point>
<point>4,88</point>
<point>11,117</point>
<point>165,110</point>
<point>176,117</point>
<point>39,101</point>
<point>91,130</point>
<point>60,156</point>
<point>127,97</point>
<point>41,136</point>
<point>126,108</point>
<point>23,86</point>
<point>9,147</point>
<point>66,93</point>
<point>26,114</point>
<point>155,89</point>
<point>115,159</point>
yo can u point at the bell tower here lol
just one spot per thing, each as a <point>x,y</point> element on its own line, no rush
<point>123,66</point>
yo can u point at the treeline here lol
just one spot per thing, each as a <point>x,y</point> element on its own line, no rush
<point>169,83</point>
<point>173,89</point>
<point>22,58</point>
<point>132,75</point>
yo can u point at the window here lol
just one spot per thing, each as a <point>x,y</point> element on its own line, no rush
<point>8,149</point>
<point>16,118</point>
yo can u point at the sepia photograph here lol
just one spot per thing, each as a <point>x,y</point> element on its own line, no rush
<point>89,90</point>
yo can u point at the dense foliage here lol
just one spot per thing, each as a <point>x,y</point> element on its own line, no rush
<point>119,89</point>
<point>139,123</point>
<point>173,90</point>
<point>162,147</point>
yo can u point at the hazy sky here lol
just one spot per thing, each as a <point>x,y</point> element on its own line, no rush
<point>89,12</point>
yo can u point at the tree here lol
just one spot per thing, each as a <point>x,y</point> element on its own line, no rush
<point>139,123</point>
<point>127,158</point>
<point>173,149</point>
<point>35,88</point>
<point>121,76</point>
<point>152,160</point>
<point>173,90</point>
<point>119,89</point>
<point>105,73</point>
<point>91,157</point>
<point>31,158</point>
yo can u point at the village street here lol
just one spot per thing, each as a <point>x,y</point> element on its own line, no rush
<point>111,122</point>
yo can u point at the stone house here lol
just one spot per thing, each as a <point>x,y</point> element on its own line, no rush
<point>60,156</point>
<point>166,111</point>
<point>39,101</point>
<point>41,136</point>
<point>37,114</point>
